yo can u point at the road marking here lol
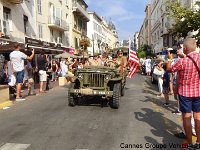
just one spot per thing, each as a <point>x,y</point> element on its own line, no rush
<point>14,146</point>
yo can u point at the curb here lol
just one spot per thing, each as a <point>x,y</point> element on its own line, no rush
<point>5,104</point>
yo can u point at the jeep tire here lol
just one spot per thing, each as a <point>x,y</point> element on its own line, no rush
<point>72,100</point>
<point>116,95</point>
<point>122,91</point>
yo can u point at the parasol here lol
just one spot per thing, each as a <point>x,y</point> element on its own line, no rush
<point>65,55</point>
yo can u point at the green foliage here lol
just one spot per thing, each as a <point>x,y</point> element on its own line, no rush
<point>185,19</point>
<point>144,51</point>
<point>141,54</point>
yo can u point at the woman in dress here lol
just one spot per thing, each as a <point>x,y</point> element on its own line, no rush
<point>148,66</point>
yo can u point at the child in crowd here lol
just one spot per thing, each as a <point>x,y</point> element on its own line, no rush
<point>166,82</point>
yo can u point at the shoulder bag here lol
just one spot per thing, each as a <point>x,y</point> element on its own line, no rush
<point>194,64</point>
<point>157,72</point>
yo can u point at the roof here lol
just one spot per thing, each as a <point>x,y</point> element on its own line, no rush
<point>92,12</point>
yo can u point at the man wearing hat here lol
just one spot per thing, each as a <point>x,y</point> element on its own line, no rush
<point>114,63</point>
<point>95,61</point>
<point>123,61</point>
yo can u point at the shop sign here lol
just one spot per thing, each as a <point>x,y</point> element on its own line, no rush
<point>45,44</point>
<point>8,45</point>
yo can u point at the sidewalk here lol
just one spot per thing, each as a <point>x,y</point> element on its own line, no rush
<point>24,92</point>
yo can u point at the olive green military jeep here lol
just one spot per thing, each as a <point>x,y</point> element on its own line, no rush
<point>95,81</point>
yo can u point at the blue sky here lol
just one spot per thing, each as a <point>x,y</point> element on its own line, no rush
<point>127,15</point>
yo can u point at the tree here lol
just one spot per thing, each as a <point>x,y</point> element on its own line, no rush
<point>145,50</point>
<point>185,20</point>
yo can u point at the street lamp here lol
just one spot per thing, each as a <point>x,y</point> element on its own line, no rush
<point>83,44</point>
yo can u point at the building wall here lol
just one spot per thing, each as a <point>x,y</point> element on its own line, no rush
<point>156,26</point>
<point>78,32</point>
<point>16,31</point>
<point>136,41</point>
<point>60,9</point>
<point>95,33</point>
<point>145,30</point>
<point>141,36</point>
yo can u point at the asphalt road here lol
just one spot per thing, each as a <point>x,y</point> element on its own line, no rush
<point>45,122</point>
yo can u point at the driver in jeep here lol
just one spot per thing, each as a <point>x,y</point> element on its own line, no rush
<point>95,61</point>
<point>114,63</point>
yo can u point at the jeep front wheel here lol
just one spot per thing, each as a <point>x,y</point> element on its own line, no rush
<point>72,100</point>
<point>116,96</point>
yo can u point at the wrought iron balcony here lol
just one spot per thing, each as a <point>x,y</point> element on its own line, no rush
<point>15,1</point>
<point>77,8</point>
<point>57,23</point>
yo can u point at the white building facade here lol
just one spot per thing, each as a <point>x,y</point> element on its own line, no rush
<point>17,19</point>
<point>95,33</point>
<point>136,41</point>
<point>102,34</point>
<point>52,21</point>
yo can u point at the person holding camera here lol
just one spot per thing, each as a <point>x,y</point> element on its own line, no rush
<point>17,62</point>
<point>188,81</point>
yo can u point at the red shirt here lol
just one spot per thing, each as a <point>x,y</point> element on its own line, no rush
<point>188,77</point>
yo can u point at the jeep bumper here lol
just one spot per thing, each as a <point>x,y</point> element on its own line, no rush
<point>91,92</point>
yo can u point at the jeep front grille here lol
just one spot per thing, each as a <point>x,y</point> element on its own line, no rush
<point>95,79</point>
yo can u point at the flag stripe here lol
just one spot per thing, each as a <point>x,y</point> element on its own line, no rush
<point>133,60</point>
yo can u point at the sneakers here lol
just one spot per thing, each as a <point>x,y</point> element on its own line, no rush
<point>166,104</point>
<point>180,135</point>
<point>20,99</point>
<point>197,146</point>
<point>160,95</point>
<point>190,147</point>
<point>177,112</point>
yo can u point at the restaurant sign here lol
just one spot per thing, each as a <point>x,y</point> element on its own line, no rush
<point>42,44</point>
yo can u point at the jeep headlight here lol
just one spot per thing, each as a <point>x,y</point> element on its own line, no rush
<point>80,76</point>
<point>107,77</point>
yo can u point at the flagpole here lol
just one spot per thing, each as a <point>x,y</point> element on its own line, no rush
<point>129,47</point>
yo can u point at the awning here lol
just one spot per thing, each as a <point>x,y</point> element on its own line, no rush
<point>48,47</point>
<point>41,48</point>
<point>7,45</point>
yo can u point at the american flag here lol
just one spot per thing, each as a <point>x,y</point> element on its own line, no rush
<point>133,61</point>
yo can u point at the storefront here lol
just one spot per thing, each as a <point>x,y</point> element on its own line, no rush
<point>47,47</point>
<point>7,46</point>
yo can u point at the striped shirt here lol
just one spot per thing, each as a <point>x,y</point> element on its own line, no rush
<point>188,77</point>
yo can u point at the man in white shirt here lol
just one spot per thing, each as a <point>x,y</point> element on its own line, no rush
<point>17,60</point>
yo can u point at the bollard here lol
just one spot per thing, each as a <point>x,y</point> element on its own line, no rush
<point>32,90</point>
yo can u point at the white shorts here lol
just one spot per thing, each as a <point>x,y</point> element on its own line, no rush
<point>43,75</point>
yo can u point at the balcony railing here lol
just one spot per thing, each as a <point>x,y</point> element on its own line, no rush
<point>15,1</point>
<point>58,23</point>
<point>78,8</point>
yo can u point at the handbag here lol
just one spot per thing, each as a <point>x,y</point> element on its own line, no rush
<point>157,72</point>
<point>194,64</point>
<point>12,80</point>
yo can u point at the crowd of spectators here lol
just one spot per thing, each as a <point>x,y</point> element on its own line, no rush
<point>44,69</point>
<point>179,75</point>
